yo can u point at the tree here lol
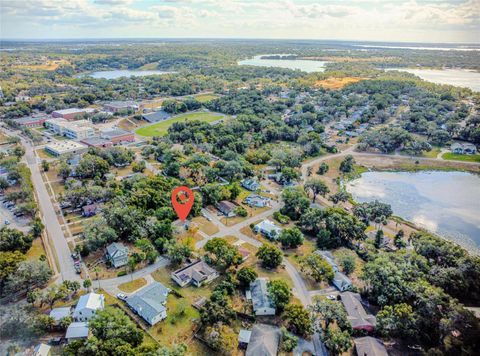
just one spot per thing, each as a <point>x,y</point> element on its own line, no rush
<point>44,322</point>
<point>316,186</point>
<point>396,321</point>
<point>64,170</point>
<point>37,227</point>
<point>224,254</point>
<point>329,312</point>
<point>316,267</point>
<point>148,249</point>
<point>340,196</point>
<point>291,237</point>
<point>29,274</point>
<point>280,293</point>
<point>87,283</point>
<point>45,165</point>
<point>298,320</point>
<point>322,169</point>
<point>337,341</point>
<point>222,338</point>
<point>14,240</point>
<point>178,252</point>
<point>176,350</point>
<point>270,256</point>
<point>245,276</point>
<point>379,238</point>
<point>346,166</point>
<point>289,341</point>
<point>139,166</point>
<point>8,265</point>
<point>348,263</point>
<point>373,211</point>
<point>217,309</point>
<point>296,203</point>
<point>398,240</point>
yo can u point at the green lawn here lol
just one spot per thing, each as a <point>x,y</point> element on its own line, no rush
<point>464,158</point>
<point>160,128</point>
<point>203,98</point>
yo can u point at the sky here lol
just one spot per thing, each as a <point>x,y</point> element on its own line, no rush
<point>365,20</point>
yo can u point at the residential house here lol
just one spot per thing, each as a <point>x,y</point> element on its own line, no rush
<point>196,273</point>
<point>340,280</point>
<point>244,338</point>
<point>264,340</point>
<point>149,302</point>
<point>87,306</point>
<point>268,229</point>
<point>463,148</point>
<point>77,330</point>
<point>41,350</point>
<point>89,210</point>
<point>250,184</point>
<point>369,346</point>
<point>356,314</point>
<point>60,313</point>
<point>117,254</point>
<point>257,201</point>
<point>262,304</point>
<point>227,208</point>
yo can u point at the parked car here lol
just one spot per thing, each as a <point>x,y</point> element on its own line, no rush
<point>332,297</point>
<point>122,296</point>
<point>7,222</point>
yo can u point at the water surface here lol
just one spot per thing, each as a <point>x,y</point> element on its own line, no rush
<point>446,203</point>
<point>301,64</point>
<point>458,77</point>
<point>114,74</point>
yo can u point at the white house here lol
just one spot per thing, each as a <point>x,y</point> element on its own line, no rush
<point>149,303</point>
<point>88,305</point>
<point>257,201</point>
<point>268,229</point>
<point>262,304</point>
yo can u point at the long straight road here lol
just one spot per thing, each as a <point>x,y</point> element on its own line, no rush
<point>54,230</point>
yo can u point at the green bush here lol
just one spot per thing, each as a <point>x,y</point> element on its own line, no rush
<point>121,273</point>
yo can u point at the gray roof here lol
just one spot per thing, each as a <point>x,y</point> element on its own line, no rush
<point>114,133</point>
<point>95,141</point>
<point>357,315</point>
<point>370,346</point>
<point>60,313</point>
<point>263,341</point>
<point>121,104</point>
<point>117,249</point>
<point>226,206</point>
<point>260,297</point>
<point>198,271</point>
<point>77,330</point>
<point>244,336</point>
<point>148,302</point>
<point>29,119</point>
<point>156,116</point>
<point>92,301</point>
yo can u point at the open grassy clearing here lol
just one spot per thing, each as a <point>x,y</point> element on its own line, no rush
<point>205,226</point>
<point>337,83</point>
<point>463,158</point>
<point>36,250</point>
<point>161,128</point>
<point>204,98</point>
<point>132,286</point>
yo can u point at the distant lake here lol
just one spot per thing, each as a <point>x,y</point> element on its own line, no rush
<point>301,64</point>
<point>114,74</point>
<point>458,77</point>
<point>446,203</point>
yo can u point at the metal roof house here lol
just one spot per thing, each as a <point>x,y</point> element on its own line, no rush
<point>340,280</point>
<point>149,303</point>
<point>59,313</point>
<point>117,254</point>
<point>41,350</point>
<point>463,148</point>
<point>268,228</point>
<point>264,341</point>
<point>227,208</point>
<point>88,305</point>
<point>369,346</point>
<point>257,201</point>
<point>262,304</point>
<point>356,314</point>
<point>196,273</point>
<point>250,184</point>
<point>77,330</point>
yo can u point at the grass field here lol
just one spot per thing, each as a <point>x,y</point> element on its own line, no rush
<point>337,83</point>
<point>203,98</point>
<point>132,286</point>
<point>161,128</point>
<point>463,158</point>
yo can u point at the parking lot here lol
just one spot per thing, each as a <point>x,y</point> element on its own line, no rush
<point>20,223</point>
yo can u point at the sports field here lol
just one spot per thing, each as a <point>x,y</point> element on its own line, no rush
<point>160,128</point>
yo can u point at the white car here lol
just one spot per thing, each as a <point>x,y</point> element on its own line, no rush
<point>332,297</point>
<point>121,296</point>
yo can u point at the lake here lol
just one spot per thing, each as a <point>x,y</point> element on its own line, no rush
<point>301,64</point>
<point>458,77</point>
<point>114,74</point>
<point>446,203</point>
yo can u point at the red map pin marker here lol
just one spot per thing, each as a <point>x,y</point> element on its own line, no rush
<point>186,197</point>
